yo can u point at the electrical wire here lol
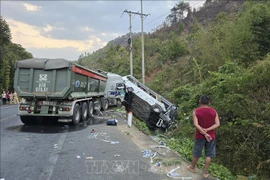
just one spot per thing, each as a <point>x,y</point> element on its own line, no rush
<point>154,19</point>
<point>150,22</point>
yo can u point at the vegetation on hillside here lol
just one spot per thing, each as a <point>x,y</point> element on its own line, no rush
<point>222,50</point>
<point>9,53</point>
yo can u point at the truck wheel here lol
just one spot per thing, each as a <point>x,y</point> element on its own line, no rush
<point>84,112</point>
<point>119,103</point>
<point>156,109</point>
<point>97,105</point>
<point>90,109</point>
<point>27,120</point>
<point>105,105</point>
<point>76,115</point>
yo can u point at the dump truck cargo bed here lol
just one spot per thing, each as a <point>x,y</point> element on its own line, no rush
<point>56,79</point>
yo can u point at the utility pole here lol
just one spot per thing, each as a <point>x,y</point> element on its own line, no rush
<point>130,41</point>
<point>143,71</point>
<point>130,44</point>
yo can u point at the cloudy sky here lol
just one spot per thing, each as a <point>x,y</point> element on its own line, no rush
<point>65,29</point>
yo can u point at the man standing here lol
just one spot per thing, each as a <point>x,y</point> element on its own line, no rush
<point>15,96</point>
<point>206,120</point>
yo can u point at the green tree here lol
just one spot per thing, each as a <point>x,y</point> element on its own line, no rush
<point>10,52</point>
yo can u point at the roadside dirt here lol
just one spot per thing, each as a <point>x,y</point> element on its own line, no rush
<point>145,142</point>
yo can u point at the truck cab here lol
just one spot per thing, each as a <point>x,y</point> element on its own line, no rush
<point>114,91</point>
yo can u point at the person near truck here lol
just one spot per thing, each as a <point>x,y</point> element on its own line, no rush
<point>11,98</point>
<point>205,120</point>
<point>15,98</point>
<point>8,97</point>
<point>4,97</point>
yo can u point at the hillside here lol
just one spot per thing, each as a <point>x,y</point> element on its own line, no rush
<point>222,50</point>
<point>92,61</point>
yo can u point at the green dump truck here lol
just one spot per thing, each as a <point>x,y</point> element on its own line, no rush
<point>59,89</point>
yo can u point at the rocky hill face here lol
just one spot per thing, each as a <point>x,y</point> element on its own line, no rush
<point>123,40</point>
<point>207,14</point>
<point>209,11</point>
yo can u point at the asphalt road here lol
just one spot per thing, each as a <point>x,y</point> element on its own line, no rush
<point>53,152</point>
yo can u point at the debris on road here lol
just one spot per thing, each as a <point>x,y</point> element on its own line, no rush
<point>162,150</point>
<point>102,133</point>
<point>116,155</point>
<point>160,139</point>
<point>174,175</point>
<point>158,164</point>
<point>112,122</point>
<point>55,146</point>
<point>94,135</point>
<point>89,157</point>
<point>27,139</point>
<point>105,140</point>
<point>114,142</point>
<point>109,141</point>
<point>78,157</point>
<point>147,153</point>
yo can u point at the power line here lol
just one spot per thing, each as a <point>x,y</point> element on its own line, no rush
<point>148,23</point>
<point>155,19</point>
<point>149,4</point>
<point>117,21</point>
<point>158,17</point>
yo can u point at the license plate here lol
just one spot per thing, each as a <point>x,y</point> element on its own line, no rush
<point>48,103</point>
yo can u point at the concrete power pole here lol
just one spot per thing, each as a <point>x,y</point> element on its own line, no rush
<point>142,15</point>
<point>143,71</point>
<point>130,44</point>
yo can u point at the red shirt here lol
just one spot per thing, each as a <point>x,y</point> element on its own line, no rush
<point>206,118</point>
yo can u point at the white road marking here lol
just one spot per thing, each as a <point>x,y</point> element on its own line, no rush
<point>8,117</point>
<point>9,106</point>
<point>47,171</point>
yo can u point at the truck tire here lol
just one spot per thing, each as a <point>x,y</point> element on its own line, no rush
<point>90,109</point>
<point>27,120</point>
<point>97,105</point>
<point>84,112</point>
<point>156,109</point>
<point>105,105</point>
<point>76,115</point>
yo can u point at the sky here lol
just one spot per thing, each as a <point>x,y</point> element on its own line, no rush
<point>65,29</point>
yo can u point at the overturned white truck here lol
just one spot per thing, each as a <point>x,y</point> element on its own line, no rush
<point>147,105</point>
